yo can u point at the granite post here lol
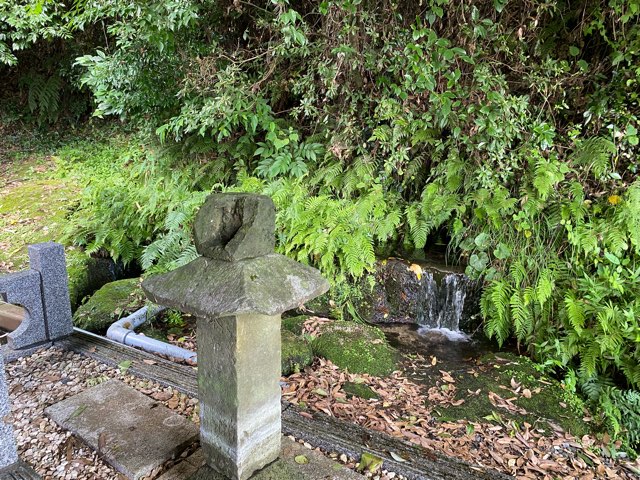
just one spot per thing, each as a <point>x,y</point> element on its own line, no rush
<point>48,260</point>
<point>23,288</point>
<point>8,452</point>
<point>238,289</point>
<point>43,291</point>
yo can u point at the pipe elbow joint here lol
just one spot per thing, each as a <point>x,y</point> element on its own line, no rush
<point>117,333</point>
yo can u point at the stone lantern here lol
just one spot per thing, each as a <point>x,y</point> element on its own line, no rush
<point>237,290</point>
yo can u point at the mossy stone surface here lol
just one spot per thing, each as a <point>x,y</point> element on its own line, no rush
<point>108,304</point>
<point>360,390</point>
<point>549,405</point>
<point>296,353</point>
<point>357,347</point>
<point>294,324</point>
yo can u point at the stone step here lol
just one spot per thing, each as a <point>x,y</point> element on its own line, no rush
<point>132,432</point>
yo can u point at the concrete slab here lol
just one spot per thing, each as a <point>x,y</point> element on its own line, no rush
<point>318,467</point>
<point>132,432</point>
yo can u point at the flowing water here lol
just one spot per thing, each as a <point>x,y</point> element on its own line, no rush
<point>444,300</point>
<point>443,304</point>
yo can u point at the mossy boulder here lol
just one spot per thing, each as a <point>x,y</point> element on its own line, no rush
<point>296,353</point>
<point>357,347</point>
<point>294,324</point>
<point>108,304</point>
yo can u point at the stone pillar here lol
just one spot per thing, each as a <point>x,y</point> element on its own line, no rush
<point>238,289</point>
<point>8,452</point>
<point>239,391</point>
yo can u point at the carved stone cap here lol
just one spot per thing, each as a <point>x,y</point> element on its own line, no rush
<point>235,226</point>
<point>211,288</point>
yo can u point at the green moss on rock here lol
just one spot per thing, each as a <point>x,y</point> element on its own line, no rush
<point>296,353</point>
<point>361,390</point>
<point>356,347</point>
<point>550,405</point>
<point>294,324</point>
<point>108,304</point>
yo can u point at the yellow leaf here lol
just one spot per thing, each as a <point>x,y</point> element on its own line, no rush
<point>417,269</point>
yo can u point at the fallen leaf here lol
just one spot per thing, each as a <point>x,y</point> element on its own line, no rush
<point>124,366</point>
<point>397,457</point>
<point>77,412</point>
<point>301,459</point>
<point>102,442</point>
<point>370,462</point>
<point>417,269</point>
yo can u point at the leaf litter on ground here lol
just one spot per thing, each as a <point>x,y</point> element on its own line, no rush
<point>406,410</point>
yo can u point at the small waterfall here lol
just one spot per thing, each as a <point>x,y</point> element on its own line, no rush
<point>443,303</point>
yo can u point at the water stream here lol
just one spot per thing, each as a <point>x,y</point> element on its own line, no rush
<point>443,301</point>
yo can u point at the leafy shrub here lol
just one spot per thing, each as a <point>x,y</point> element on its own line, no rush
<point>508,130</point>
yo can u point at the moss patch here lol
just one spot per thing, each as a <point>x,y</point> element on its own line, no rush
<point>31,212</point>
<point>356,347</point>
<point>361,390</point>
<point>549,404</point>
<point>294,324</point>
<point>108,304</point>
<point>296,353</point>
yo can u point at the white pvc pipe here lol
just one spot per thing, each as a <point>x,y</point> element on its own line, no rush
<point>122,331</point>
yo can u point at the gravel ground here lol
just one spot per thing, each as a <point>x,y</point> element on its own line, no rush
<point>52,375</point>
<point>49,376</point>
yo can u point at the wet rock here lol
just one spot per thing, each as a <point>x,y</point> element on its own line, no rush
<point>356,347</point>
<point>322,306</point>
<point>296,353</point>
<point>108,304</point>
<point>428,294</point>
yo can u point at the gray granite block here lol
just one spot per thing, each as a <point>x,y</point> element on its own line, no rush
<point>8,452</point>
<point>10,355</point>
<point>129,430</point>
<point>19,471</point>
<point>239,391</point>
<point>24,289</point>
<point>48,259</point>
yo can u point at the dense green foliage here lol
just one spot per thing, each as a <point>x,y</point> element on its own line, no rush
<point>508,130</point>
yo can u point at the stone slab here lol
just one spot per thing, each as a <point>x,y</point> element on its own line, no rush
<point>8,451</point>
<point>48,260</point>
<point>19,471</point>
<point>23,288</point>
<point>318,467</point>
<point>132,432</point>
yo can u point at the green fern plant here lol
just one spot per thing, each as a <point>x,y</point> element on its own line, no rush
<point>43,95</point>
